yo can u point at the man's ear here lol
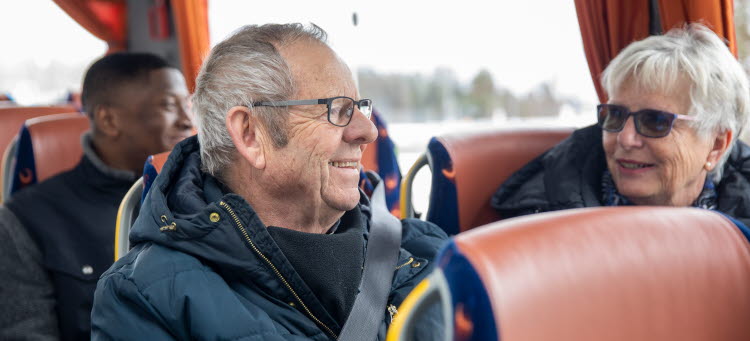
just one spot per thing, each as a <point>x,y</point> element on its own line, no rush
<point>106,121</point>
<point>245,131</point>
<point>720,146</point>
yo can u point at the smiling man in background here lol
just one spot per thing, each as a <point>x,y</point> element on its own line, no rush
<point>57,237</point>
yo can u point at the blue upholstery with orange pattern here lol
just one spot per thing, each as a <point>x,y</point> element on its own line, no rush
<point>384,162</point>
<point>151,169</point>
<point>443,205</point>
<point>473,319</point>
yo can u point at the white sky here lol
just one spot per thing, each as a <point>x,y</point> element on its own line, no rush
<point>522,43</point>
<point>39,31</point>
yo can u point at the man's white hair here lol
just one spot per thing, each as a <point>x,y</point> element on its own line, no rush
<point>719,92</point>
<point>243,69</point>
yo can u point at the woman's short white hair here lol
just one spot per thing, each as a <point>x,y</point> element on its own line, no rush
<point>719,92</point>
<point>243,69</point>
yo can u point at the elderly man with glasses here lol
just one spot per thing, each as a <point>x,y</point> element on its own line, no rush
<point>256,229</point>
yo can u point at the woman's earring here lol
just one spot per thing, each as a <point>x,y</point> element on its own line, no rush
<point>708,166</point>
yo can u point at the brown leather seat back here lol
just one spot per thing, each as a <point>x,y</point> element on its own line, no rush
<point>56,140</point>
<point>467,169</point>
<point>12,118</point>
<point>627,273</point>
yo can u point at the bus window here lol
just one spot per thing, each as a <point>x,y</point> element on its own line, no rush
<point>45,53</point>
<point>434,68</point>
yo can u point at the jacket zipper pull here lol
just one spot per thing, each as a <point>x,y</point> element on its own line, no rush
<point>393,312</point>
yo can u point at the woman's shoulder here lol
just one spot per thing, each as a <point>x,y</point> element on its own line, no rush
<point>734,188</point>
<point>526,191</point>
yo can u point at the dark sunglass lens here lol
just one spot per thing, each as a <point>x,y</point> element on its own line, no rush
<point>655,123</point>
<point>612,118</point>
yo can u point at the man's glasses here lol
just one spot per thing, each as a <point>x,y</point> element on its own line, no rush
<point>340,109</point>
<point>648,122</point>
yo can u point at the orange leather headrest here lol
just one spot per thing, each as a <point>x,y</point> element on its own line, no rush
<point>483,161</point>
<point>56,140</point>
<point>158,160</point>
<point>627,273</point>
<point>12,118</point>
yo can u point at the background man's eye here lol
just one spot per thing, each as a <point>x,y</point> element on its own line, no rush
<point>171,105</point>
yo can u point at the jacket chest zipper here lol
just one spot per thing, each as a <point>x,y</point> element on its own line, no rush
<point>242,229</point>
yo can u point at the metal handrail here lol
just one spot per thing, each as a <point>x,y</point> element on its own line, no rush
<point>407,207</point>
<point>125,218</point>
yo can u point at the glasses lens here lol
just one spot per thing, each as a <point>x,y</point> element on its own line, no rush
<point>365,106</point>
<point>654,123</point>
<point>341,111</point>
<point>612,118</point>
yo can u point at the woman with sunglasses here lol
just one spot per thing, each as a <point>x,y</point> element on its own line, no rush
<point>667,136</point>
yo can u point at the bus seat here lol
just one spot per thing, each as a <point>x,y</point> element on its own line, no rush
<point>380,157</point>
<point>7,100</point>
<point>605,273</point>
<point>45,146</point>
<point>130,204</point>
<point>468,168</point>
<point>12,118</point>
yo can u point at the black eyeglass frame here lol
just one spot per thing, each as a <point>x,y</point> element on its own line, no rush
<point>327,101</point>
<point>636,121</point>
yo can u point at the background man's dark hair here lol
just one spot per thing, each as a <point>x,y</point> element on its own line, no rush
<point>104,78</point>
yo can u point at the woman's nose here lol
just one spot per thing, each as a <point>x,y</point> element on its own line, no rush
<point>628,137</point>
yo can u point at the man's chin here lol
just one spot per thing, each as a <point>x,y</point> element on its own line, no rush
<point>344,200</point>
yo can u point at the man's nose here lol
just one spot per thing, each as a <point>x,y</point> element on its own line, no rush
<point>628,137</point>
<point>361,130</point>
<point>183,117</point>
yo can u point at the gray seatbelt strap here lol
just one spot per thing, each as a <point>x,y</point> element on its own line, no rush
<point>381,256</point>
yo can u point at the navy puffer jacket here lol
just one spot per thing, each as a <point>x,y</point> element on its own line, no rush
<point>211,271</point>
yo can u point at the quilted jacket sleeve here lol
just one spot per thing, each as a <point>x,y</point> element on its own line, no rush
<point>121,312</point>
<point>160,294</point>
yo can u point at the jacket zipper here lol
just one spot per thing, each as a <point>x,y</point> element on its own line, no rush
<point>242,229</point>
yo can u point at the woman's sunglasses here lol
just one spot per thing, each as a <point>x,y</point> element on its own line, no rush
<point>648,122</point>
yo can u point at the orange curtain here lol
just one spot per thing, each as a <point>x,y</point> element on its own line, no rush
<point>607,26</point>
<point>191,21</point>
<point>717,15</point>
<point>105,19</point>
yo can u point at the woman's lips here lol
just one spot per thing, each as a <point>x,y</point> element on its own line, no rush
<point>633,167</point>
